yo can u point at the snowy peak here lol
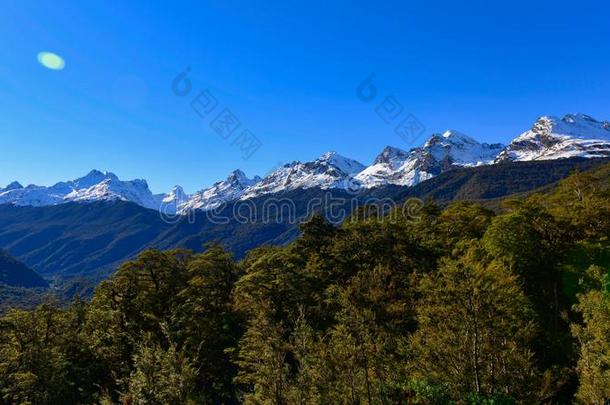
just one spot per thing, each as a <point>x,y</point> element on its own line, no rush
<point>387,168</point>
<point>571,125</point>
<point>94,186</point>
<point>581,126</point>
<point>330,170</point>
<point>170,203</point>
<point>230,189</point>
<point>92,178</point>
<point>439,153</point>
<point>13,186</point>
<point>238,179</point>
<point>111,188</point>
<point>341,163</point>
<point>278,180</point>
<point>391,155</point>
<point>574,135</point>
<point>176,194</point>
<point>457,149</point>
<point>450,137</point>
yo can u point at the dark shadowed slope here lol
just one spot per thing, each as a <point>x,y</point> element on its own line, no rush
<point>499,180</point>
<point>16,274</point>
<point>75,238</point>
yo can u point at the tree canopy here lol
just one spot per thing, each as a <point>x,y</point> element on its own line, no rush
<point>462,306</point>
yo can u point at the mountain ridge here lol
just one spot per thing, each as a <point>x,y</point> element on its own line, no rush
<point>93,239</point>
<point>574,135</point>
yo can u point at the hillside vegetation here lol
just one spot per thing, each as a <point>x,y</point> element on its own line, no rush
<point>16,274</point>
<point>440,306</point>
<point>93,239</point>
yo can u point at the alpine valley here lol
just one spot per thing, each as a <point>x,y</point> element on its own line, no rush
<point>88,226</point>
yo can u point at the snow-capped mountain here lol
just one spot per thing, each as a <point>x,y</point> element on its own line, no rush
<point>440,153</point>
<point>170,203</point>
<point>330,170</point>
<point>387,168</point>
<point>574,135</point>
<point>221,192</point>
<point>13,186</point>
<point>111,188</point>
<point>94,186</point>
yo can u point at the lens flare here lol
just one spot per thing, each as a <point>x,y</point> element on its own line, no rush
<point>51,60</point>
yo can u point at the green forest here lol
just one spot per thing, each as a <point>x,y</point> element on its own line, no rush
<point>463,304</point>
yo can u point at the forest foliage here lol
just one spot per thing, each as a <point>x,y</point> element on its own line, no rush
<point>13,273</point>
<point>459,305</point>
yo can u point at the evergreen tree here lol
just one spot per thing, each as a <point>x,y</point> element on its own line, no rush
<point>160,376</point>
<point>43,358</point>
<point>593,337</point>
<point>451,306</point>
<point>206,324</point>
<point>264,372</point>
<point>475,330</point>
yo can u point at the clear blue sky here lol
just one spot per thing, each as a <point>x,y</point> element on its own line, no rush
<point>288,70</point>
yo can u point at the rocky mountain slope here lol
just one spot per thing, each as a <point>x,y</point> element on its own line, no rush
<point>550,138</point>
<point>440,153</point>
<point>230,189</point>
<point>93,239</point>
<point>95,186</point>
<point>330,170</point>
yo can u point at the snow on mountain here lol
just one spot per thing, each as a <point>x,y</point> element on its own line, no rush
<point>176,195</point>
<point>112,188</point>
<point>458,149</point>
<point>549,138</point>
<point>574,135</point>
<point>92,187</point>
<point>30,195</point>
<point>170,203</point>
<point>221,192</point>
<point>386,169</point>
<point>330,170</point>
<point>440,153</point>
<point>13,186</point>
<point>36,196</point>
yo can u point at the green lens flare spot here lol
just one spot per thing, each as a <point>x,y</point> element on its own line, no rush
<point>51,60</point>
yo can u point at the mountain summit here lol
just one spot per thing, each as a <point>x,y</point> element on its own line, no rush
<point>13,186</point>
<point>574,135</point>
<point>94,186</point>
<point>221,192</point>
<point>330,170</point>
<point>440,153</point>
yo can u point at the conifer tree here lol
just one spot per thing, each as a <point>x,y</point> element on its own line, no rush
<point>593,338</point>
<point>475,330</point>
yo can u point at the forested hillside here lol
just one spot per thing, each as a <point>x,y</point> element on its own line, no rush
<point>16,274</point>
<point>20,286</point>
<point>441,306</point>
<point>93,239</point>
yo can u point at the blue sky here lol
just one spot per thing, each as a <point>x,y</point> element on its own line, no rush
<point>288,71</point>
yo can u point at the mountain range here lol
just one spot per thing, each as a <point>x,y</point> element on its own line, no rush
<point>550,138</point>
<point>70,240</point>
